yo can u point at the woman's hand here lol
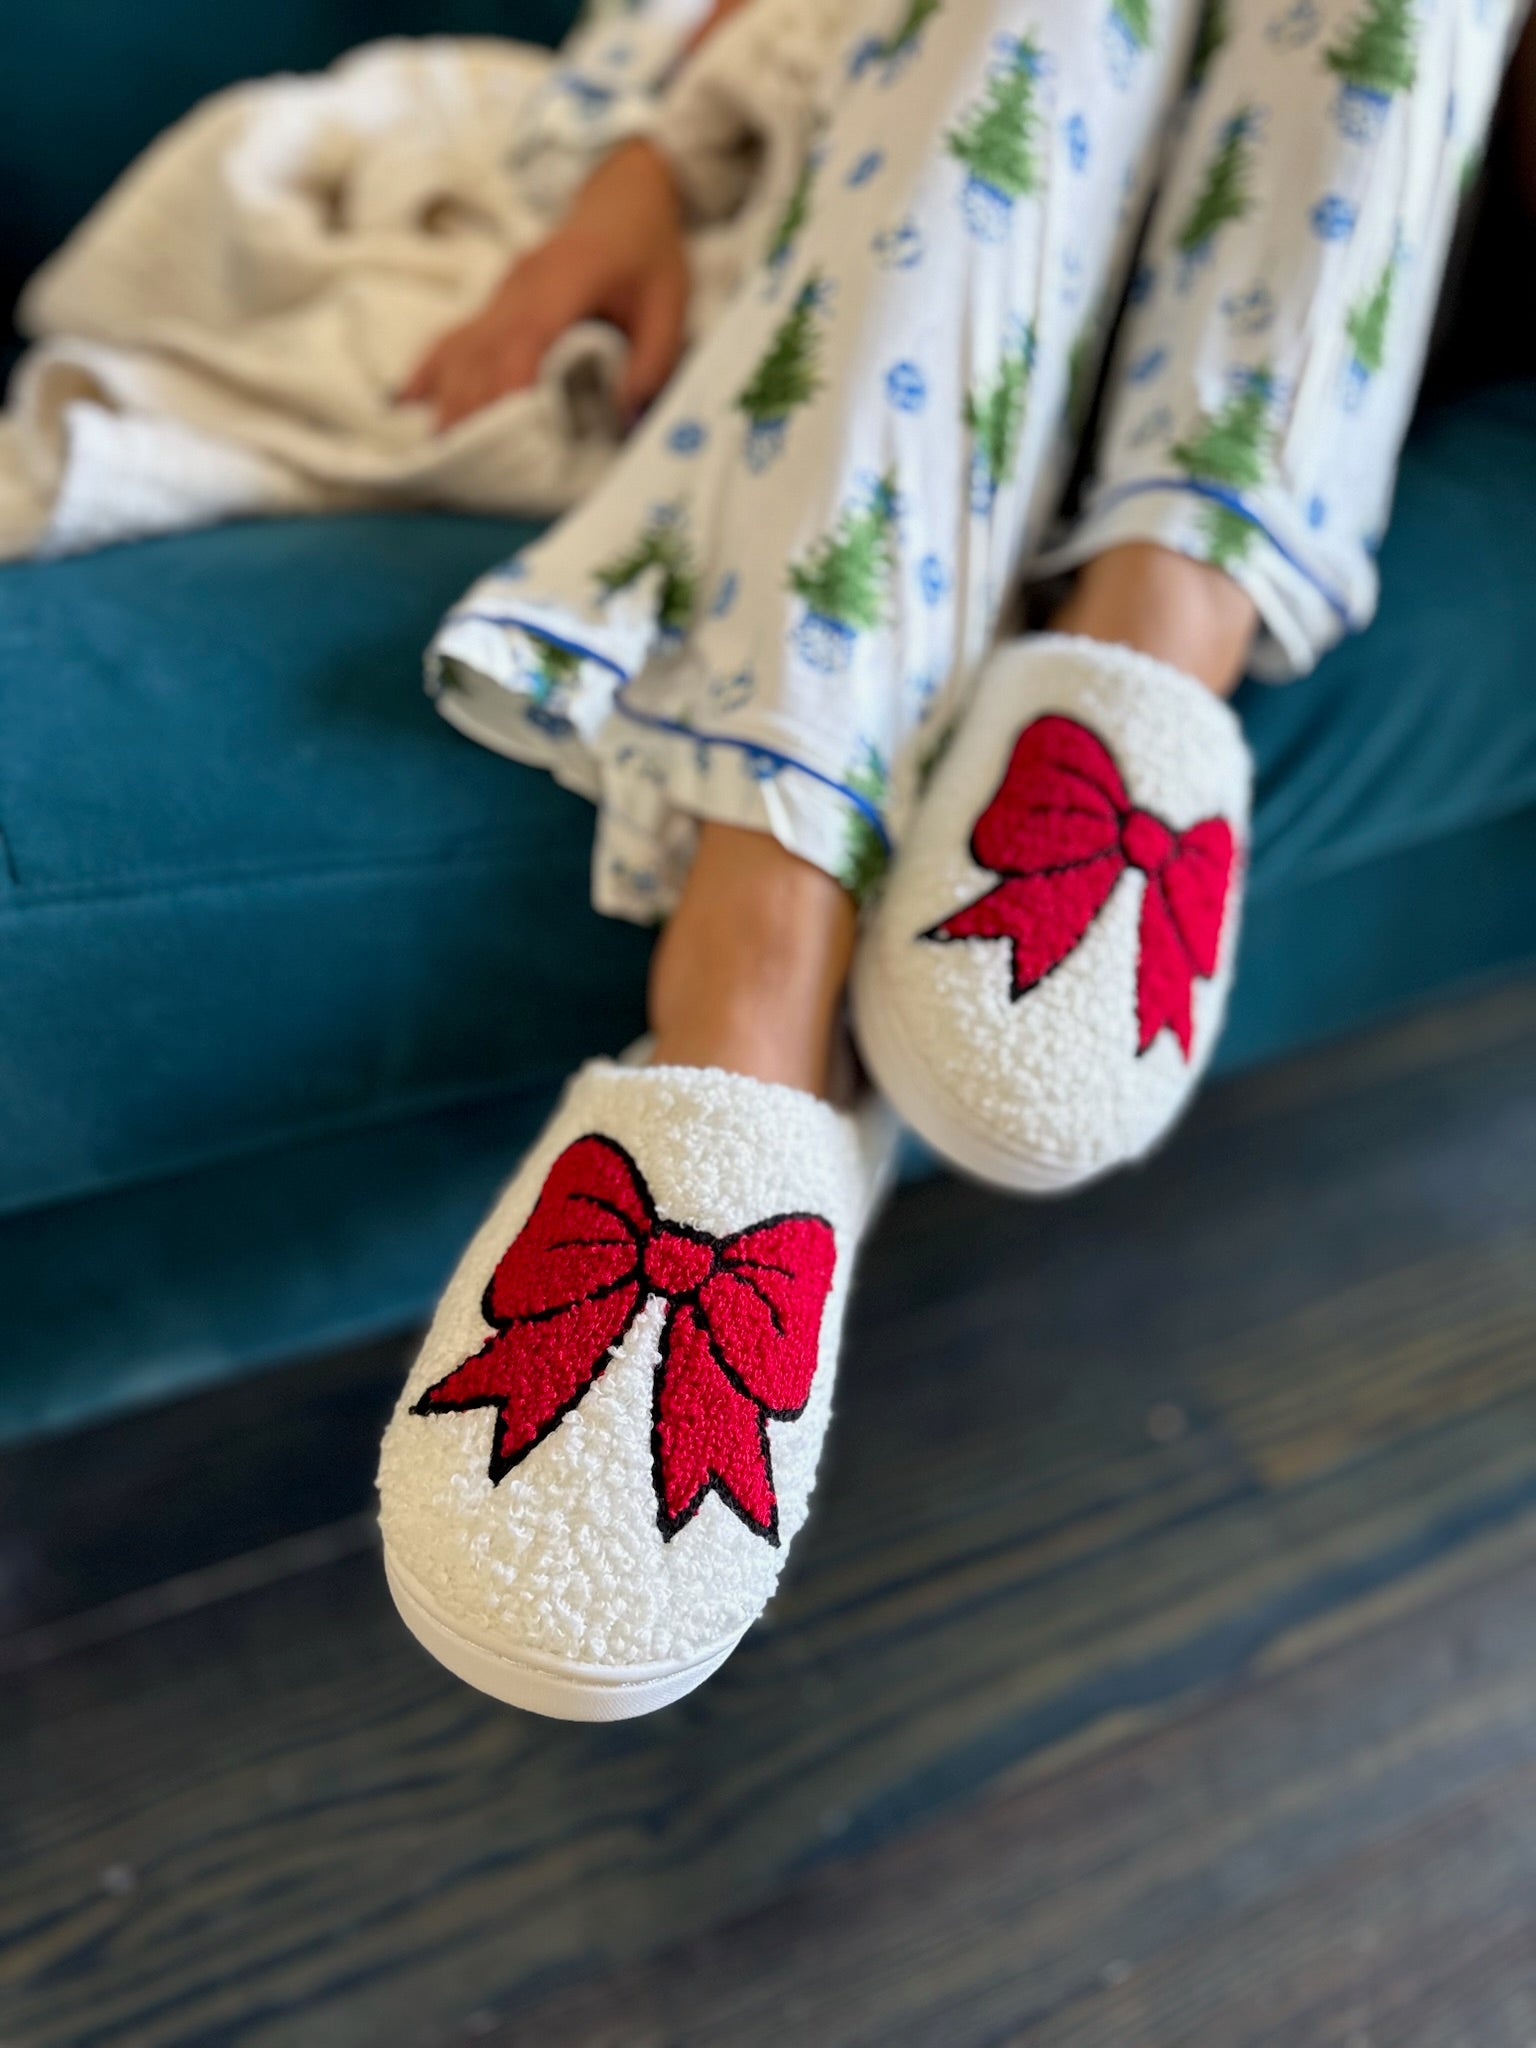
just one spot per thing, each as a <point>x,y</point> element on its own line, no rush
<point>619,255</point>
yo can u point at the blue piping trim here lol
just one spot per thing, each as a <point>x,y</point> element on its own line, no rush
<point>541,633</point>
<point>659,724</point>
<point>713,739</point>
<point>1219,496</point>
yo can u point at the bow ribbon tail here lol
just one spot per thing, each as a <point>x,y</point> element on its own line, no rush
<point>1182,910</point>
<point>535,1373</point>
<point>707,1433</point>
<point>1165,975</point>
<point>1044,915</point>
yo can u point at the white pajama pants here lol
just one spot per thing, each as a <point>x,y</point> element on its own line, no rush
<point>775,605</point>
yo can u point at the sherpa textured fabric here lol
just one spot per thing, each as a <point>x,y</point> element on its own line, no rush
<point>786,586</point>
<point>578,1520</point>
<point>224,335</point>
<point>1044,978</point>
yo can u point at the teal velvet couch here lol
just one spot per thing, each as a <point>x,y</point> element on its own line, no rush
<point>288,970</point>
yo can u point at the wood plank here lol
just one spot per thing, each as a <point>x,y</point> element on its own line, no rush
<point>99,1514</point>
<point>1249,1433</point>
<point>1340,1853</point>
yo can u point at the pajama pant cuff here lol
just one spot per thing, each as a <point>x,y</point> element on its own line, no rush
<point>653,781</point>
<point>1307,599</point>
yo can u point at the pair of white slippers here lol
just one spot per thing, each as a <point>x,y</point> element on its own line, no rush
<point>611,1434</point>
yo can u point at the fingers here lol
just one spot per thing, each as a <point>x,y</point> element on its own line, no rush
<point>476,364</point>
<point>569,278</point>
<point>422,381</point>
<point>501,348</point>
<point>488,369</point>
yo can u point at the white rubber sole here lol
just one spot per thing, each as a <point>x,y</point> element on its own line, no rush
<point>907,1085</point>
<point>539,1683</point>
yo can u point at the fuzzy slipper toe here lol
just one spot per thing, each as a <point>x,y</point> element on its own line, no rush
<point>610,1437</point>
<point>1043,979</point>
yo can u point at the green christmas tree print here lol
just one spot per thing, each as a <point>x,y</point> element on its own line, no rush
<point>1377,54</point>
<point>1231,449</point>
<point>787,375</point>
<point>796,213</point>
<point>554,669</point>
<point>994,413</point>
<point>891,51</point>
<point>1133,22</point>
<point>551,672</point>
<point>1215,27</point>
<point>1127,35</point>
<point>845,578</point>
<point>1224,193</point>
<point>1366,325</point>
<point>864,854</point>
<point>663,546</point>
<point>999,143</point>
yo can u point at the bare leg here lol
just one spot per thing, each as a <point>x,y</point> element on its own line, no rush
<point>749,973</point>
<point>1184,612</point>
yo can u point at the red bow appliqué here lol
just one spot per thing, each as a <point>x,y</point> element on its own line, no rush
<point>738,1347</point>
<point>1061,831</point>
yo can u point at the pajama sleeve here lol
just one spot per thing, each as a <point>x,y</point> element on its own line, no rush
<point>758,79</point>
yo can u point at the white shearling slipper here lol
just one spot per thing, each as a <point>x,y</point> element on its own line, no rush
<point>611,1433</point>
<point>1040,985</point>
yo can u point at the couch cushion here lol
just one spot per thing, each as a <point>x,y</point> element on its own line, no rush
<point>1377,872</point>
<point>257,889</point>
<point>258,892</point>
<point>1426,722</point>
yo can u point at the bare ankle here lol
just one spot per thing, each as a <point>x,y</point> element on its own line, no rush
<point>1167,605</point>
<point>749,973</point>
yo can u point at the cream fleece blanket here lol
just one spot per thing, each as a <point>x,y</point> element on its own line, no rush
<point>223,335</point>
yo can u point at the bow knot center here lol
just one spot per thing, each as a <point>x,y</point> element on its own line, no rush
<point>1146,841</point>
<point>676,1264</point>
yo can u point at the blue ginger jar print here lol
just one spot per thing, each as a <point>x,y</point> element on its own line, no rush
<point>1250,312</point>
<point>1373,62</point>
<point>1294,26</point>
<point>1127,34</point>
<point>899,247</point>
<point>906,387</point>
<point>1333,218</point>
<point>998,142</point>
<point>733,693</point>
<point>887,55</point>
<point>687,437</point>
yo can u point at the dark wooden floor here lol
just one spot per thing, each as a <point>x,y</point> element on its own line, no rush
<point>1159,1666</point>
